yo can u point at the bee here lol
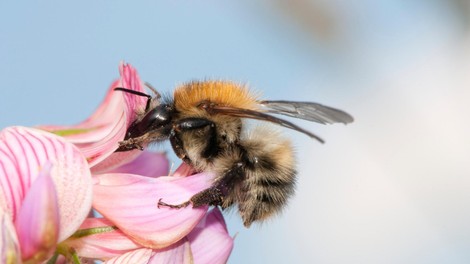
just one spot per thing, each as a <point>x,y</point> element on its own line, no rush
<point>205,122</point>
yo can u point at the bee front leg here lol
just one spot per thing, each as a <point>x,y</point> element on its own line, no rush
<point>131,144</point>
<point>192,124</point>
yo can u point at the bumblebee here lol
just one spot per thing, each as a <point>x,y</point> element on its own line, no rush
<point>205,121</point>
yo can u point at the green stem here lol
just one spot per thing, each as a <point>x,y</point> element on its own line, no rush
<point>92,231</point>
<point>54,258</point>
<point>75,259</point>
<point>70,253</point>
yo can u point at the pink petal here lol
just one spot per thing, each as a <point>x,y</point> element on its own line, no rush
<point>148,163</point>
<point>133,104</point>
<point>96,152</point>
<point>98,125</point>
<point>37,224</point>
<point>180,252</point>
<point>130,80</point>
<point>114,161</point>
<point>97,144</point>
<point>139,256</point>
<point>98,136</point>
<point>9,246</point>
<point>102,245</point>
<point>177,253</point>
<point>23,151</point>
<point>184,170</point>
<point>130,202</point>
<point>210,241</point>
<point>72,179</point>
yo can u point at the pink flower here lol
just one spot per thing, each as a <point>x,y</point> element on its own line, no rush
<point>159,232</point>
<point>208,242</point>
<point>9,246</point>
<point>47,193</point>
<point>137,213</point>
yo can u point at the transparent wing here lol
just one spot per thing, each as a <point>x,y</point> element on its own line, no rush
<point>246,113</point>
<point>307,110</point>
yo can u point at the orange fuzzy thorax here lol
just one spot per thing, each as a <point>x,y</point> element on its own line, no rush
<point>189,96</point>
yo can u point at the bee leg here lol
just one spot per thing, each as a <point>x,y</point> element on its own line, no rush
<point>131,144</point>
<point>191,124</point>
<point>215,194</point>
<point>177,145</point>
<point>209,196</point>
<point>175,206</point>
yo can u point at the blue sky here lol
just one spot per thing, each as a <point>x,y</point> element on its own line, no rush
<point>389,188</point>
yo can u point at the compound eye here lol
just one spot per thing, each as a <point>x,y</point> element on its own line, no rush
<point>158,117</point>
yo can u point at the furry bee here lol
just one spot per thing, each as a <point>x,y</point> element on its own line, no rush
<point>206,125</point>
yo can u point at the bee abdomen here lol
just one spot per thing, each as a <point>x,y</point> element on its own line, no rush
<point>270,177</point>
<point>266,194</point>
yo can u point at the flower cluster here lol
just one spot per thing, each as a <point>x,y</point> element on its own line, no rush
<point>53,177</point>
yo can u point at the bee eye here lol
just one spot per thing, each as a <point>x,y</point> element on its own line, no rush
<point>156,118</point>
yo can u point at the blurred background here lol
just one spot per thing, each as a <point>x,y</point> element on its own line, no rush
<point>393,187</point>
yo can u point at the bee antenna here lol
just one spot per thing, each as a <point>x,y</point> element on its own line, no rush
<point>154,91</point>
<point>149,98</point>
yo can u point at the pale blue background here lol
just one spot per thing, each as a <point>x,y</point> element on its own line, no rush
<point>391,188</point>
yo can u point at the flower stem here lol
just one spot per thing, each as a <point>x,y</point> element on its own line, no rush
<point>92,231</point>
<point>54,258</point>
<point>75,259</point>
<point>69,253</point>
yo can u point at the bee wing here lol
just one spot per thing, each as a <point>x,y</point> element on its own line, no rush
<point>246,113</point>
<point>307,110</point>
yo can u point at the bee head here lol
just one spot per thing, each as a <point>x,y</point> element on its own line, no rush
<point>157,119</point>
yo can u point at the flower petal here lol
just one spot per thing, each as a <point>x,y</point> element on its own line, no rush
<point>139,256</point>
<point>98,151</point>
<point>98,125</point>
<point>210,241</point>
<point>132,105</point>
<point>37,224</point>
<point>130,80</point>
<point>98,136</point>
<point>103,245</point>
<point>177,253</point>
<point>23,151</point>
<point>136,212</point>
<point>113,161</point>
<point>148,163</point>
<point>184,170</point>
<point>9,246</point>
